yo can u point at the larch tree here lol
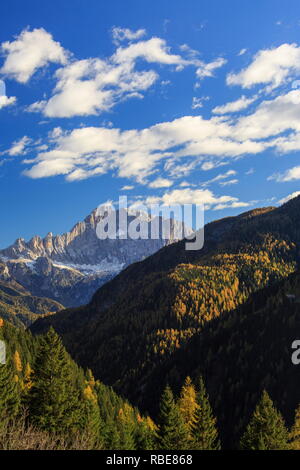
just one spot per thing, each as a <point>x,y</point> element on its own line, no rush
<point>187,402</point>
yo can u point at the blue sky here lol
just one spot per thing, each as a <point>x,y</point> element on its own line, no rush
<point>168,102</point>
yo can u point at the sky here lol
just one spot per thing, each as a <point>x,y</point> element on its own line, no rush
<point>163,101</point>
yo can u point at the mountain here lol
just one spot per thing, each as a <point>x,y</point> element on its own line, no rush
<point>19,307</point>
<point>71,267</point>
<point>139,324</point>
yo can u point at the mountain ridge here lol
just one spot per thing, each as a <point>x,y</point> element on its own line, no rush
<point>70,267</point>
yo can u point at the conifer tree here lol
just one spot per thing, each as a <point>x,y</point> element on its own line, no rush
<point>204,430</point>
<point>294,436</point>
<point>9,393</point>
<point>111,436</point>
<point>126,429</point>
<point>18,362</point>
<point>172,432</point>
<point>54,396</point>
<point>145,433</point>
<point>187,402</point>
<point>266,430</point>
<point>92,422</point>
<point>27,381</point>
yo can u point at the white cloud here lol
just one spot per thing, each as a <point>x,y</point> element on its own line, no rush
<point>92,86</point>
<point>185,184</point>
<point>30,51</point>
<point>137,153</point>
<point>196,196</point>
<point>242,51</point>
<point>289,197</point>
<point>234,106</point>
<point>269,66</point>
<point>153,50</point>
<point>19,147</point>
<point>207,70</point>
<point>234,205</point>
<point>292,174</point>
<point>219,177</point>
<point>123,34</point>
<point>6,101</point>
<point>198,102</point>
<point>161,183</point>
<point>271,118</point>
<point>207,166</point>
<point>229,182</point>
<point>176,147</point>
<point>127,187</point>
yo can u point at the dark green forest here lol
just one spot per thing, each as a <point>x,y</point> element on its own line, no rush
<point>48,403</point>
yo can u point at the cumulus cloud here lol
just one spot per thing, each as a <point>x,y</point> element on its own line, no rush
<point>177,146</point>
<point>196,196</point>
<point>291,174</point>
<point>271,118</point>
<point>161,183</point>
<point>173,148</point>
<point>289,197</point>
<point>126,34</point>
<point>269,66</point>
<point>19,147</point>
<point>153,50</point>
<point>7,101</point>
<point>234,106</point>
<point>198,102</point>
<point>138,153</point>
<point>30,51</point>
<point>207,70</point>
<point>91,86</point>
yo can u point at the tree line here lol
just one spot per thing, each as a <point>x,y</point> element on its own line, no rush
<point>48,402</point>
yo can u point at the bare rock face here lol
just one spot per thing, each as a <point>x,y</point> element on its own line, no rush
<point>71,267</point>
<point>82,246</point>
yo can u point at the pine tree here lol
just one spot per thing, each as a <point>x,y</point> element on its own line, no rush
<point>204,430</point>
<point>92,423</point>
<point>187,403</point>
<point>9,393</point>
<point>127,428</point>
<point>145,433</point>
<point>294,436</point>
<point>54,396</point>
<point>172,432</point>
<point>266,430</point>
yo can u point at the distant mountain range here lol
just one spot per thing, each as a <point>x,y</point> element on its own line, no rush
<point>69,268</point>
<point>223,311</point>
